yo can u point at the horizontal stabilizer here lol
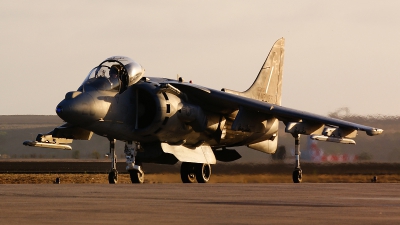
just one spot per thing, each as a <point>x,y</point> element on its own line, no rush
<point>47,145</point>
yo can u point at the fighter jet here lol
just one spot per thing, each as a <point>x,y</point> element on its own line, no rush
<point>165,121</point>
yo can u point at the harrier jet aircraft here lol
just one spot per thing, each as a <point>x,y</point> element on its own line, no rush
<point>165,121</point>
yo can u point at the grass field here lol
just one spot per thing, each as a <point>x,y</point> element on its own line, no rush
<point>175,178</point>
<point>78,171</point>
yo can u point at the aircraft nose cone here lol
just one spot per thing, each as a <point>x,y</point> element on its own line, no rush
<point>59,109</point>
<point>77,108</point>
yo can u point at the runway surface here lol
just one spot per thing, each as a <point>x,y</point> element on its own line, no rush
<point>103,166</point>
<point>367,203</point>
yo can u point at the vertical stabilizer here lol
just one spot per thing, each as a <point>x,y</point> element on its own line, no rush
<point>268,84</point>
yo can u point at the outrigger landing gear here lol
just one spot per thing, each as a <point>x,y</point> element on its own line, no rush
<point>297,173</point>
<point>190,172</point>
<point>135,170</point>
<point>113,175</point>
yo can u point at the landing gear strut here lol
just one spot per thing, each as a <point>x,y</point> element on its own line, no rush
<point>192,172</point>
<point>113,175</point>
<point>135,170</point>
<point>297,173</point>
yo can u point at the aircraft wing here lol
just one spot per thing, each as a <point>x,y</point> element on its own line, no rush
<point>295,120</point>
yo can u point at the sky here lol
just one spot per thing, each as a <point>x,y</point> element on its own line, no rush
<point>337,53</point>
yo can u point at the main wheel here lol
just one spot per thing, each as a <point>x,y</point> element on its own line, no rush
<point>113,176</point>
<point>187,172</point>
<point>203,172</point>
<point>297,176</point>
<point>136,177</point>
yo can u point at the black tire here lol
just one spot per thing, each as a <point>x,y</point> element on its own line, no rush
<point>188,174</point>
<point>113,177</point>
<point>203,172</point>
<point>136,177</point>
<point>297,176</point>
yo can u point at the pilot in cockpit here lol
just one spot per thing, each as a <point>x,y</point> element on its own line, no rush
<point>114,75</point>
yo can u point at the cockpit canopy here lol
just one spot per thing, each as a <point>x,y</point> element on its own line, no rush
<point>116,73</point>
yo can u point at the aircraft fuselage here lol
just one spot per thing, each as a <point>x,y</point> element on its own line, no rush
<point>147,112</point>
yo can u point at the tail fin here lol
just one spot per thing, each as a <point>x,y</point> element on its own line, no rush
<point>268,84</point>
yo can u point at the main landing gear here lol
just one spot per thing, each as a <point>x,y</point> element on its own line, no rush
<point>192,172</point>
<point>135,171</point>
<point>297,173</point>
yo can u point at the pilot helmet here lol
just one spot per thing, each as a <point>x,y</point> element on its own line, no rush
<point>115,69</point>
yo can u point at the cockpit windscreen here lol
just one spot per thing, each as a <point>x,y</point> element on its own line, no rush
<point>103,78</point>
<point>114,74</point>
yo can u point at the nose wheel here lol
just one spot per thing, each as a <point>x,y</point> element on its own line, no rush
<point>113,175</point>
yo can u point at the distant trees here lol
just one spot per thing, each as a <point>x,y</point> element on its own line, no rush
<point>95,155</point>
<point>280,153</point>
<point>364,156</point>
<point>76,154</point>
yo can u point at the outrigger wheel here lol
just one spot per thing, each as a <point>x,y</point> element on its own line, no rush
<point>297,173</point>
<point>297,176</point>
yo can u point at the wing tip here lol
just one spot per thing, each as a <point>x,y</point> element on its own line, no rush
<point>374,131</point>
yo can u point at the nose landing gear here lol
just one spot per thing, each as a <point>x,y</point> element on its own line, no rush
<point>135,171</point>
<point>113,175</point>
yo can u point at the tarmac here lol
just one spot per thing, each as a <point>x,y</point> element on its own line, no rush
<point>306,203</point>
<point>103,166</point>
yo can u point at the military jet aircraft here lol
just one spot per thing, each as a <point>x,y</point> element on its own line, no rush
<point>165,121</point>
